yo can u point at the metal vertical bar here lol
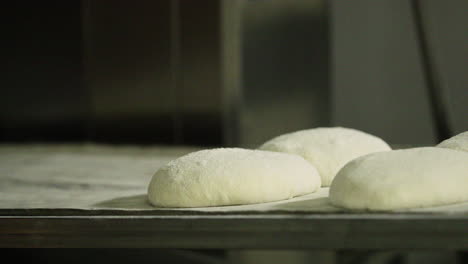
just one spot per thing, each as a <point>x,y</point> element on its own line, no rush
<point>434,89</point>
<point>231,33</point>
<point>175,70</point>
<point>86,35</point>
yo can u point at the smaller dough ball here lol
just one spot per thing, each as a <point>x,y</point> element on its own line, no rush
<point>458,142</point>
<point>230,176</point>
<point>401,179</point>
<point>328,149</point>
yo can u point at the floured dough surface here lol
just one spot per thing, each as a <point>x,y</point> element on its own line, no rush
<point>328,149</point>
<point>401,179</point>
<point>458,142</point>
<point>231,176</point>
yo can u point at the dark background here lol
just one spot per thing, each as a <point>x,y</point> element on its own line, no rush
<point>227,73</point>
<point>104,71</point>
<point>207,73</point>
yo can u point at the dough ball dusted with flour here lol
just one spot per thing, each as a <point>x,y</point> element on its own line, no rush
<point>328,149</point>
<point>458,142</point>
<point>230,176</point>
<point>400,179</point>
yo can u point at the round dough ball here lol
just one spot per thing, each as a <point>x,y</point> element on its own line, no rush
<point>400,179</point>
<point>458,142</point>
<point>230,176</point>
<point>328,149</point>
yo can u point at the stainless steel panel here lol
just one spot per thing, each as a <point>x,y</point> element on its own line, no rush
<point>378,82</point>
<point>154,70</point>
<point>284,68</point>
<point>446,23</point>
<point>215,72</point>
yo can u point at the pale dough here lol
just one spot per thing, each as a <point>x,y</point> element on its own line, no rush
<point>401,179</point>
<point>230,176</point>
<point>328,149</point>
<point>458,142</point>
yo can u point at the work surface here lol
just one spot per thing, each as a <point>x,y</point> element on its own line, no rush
<point>95,196</point>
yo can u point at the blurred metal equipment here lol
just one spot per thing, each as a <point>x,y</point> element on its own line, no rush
<point>153,70</point>
<point>379,76</point>
<point>115,72</point>
<point>285,68</point>
<point>214,72</point>
<point>228,72</point>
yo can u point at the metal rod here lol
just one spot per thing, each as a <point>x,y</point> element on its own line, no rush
<point>231,42</point>
<point>432,81</point>
<point>174,23</point>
